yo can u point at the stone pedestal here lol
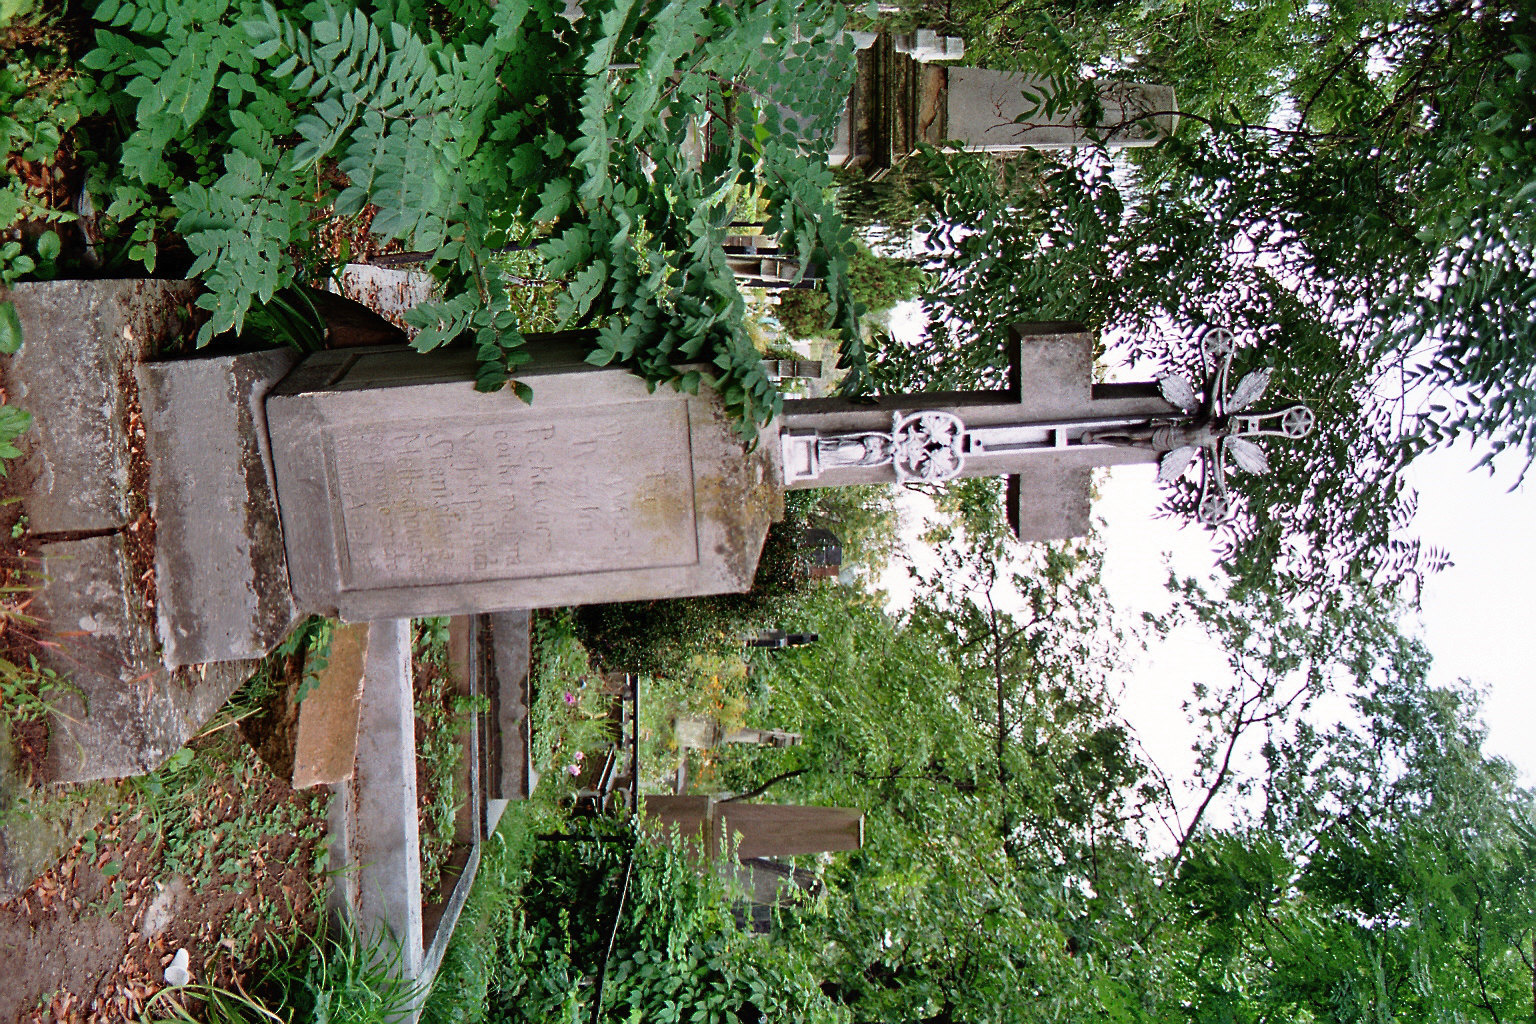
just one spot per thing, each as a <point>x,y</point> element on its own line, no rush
<point>219,553</point>
<point>141,517</point>
<point>405,492</point>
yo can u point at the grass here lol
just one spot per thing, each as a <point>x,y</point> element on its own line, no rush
<point>489,918</point>
<point>340,978</point>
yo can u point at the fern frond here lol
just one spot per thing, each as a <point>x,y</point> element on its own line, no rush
<point>239,231</point>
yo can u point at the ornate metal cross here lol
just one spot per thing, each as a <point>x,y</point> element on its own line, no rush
<point>1047,431</point>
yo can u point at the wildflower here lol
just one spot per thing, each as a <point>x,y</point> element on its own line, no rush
<point>574,769</point>
<point>580,756</point>
<point>570,698</point>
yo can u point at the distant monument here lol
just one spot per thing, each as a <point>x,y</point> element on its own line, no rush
<point>904,96</point>
<point>1046,431</point>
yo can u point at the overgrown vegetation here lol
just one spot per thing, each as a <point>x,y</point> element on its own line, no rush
<point>877,281</point>
<point>677,952</point>
<point>322,977</point>
<point>214,136</point>
<point>443,718</point>
<point>659,637</point>
<point>569,719</point>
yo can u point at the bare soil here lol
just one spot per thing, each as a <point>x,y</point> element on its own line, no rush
<point>210,869</point>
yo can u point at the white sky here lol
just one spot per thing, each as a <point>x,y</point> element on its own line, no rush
<point>1475,620</point>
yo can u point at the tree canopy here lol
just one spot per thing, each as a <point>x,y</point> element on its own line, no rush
<point>1350,188</point>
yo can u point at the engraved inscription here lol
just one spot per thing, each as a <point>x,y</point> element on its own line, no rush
<point>508,498</point>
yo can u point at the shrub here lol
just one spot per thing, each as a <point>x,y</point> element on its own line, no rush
<point>470,126</point>
<point>678,953</point>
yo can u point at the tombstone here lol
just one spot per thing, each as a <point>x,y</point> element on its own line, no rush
<point>762,738</point>
<point>758,830</point>
<point>822,552</point>
<point>901,99</point>
<point>756,261</point>
<point>376,484</point>
<point>792,369</point>
<point>705,734</point>
<point>778,639</point>
<point>405,492</point>
<point>767,885</point>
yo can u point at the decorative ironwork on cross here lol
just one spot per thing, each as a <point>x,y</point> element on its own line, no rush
<point>1215,426</point>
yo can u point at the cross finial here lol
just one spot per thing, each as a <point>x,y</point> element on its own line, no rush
<point>1215,425</point>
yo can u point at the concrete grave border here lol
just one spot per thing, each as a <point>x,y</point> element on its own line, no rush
<point>375,844</point>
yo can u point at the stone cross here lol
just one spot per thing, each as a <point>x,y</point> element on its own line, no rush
<point>1046,431</point>
<point>761,830</point>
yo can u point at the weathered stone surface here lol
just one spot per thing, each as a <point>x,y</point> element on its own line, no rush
<point>219,561</point>
<point>387,291</point>
<point>129,712</point>
<point>510,775</point>
<point>39,824</point>
<point>85,482</point>
<point>74,373</point>
<point>375,844</point>
<point>989,111</point>
<point>326,749</point>
<point>404,492</point>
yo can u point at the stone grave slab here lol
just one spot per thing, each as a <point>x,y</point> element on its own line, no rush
<point>129,712</point>
<point>375,831</point>
<point>509,772</point>
<point>219,558</point>
<point>109,582</point>
<point>38,825</point>
<point>74,373</point>
<point>403,491</point>
<point>373,825</point>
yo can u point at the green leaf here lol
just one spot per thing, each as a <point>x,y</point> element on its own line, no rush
<point>10,328</point>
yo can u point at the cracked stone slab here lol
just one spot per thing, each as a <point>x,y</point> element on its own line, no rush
<point>127,712</point>
<point>74,374</point>
<point>219,560</point>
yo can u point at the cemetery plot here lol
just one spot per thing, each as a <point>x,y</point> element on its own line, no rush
<point>213,853</point>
